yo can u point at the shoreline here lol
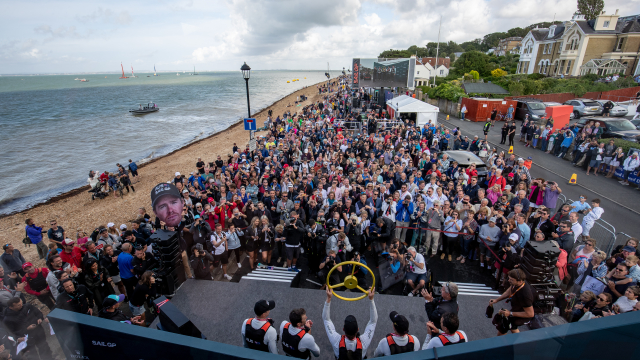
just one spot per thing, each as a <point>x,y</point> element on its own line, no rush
<point>75,210</point>
<point>147,161</point>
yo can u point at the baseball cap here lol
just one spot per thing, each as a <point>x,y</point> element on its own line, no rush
<point>263,306</point>
<point>112,300</point>
<point>493,219</point>
<point>514,237</point>
<point>163,189</point>
<point>177,173</point>
<point>67,242</point>
<point>185,191</point>
<point>400,323</point>
<point>197,217</point>
<point>508,186</point>
<point>110,225</point>
<point>511,174</point>
<point>629,249</point>
<point>123,227</point>
<point>350,325</point>
<point>199,247</point>
<point>26,265</point>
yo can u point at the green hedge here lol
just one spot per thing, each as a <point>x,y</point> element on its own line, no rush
<point>624,144</point>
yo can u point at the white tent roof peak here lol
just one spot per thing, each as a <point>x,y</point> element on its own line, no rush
<point>404,103</point>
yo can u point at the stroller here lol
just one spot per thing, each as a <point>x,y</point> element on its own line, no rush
<point>98,191</point>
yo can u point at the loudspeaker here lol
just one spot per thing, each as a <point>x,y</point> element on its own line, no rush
<point>542,250</point>
<point>172,320</point>
<point>164,238</point>
<point>171,274</point>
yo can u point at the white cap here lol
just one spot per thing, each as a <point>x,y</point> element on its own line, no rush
<point>514,236</point>
<point>520,159</point>
<point>123,226</point>
<point>110,225</point>
<point>177,173</point>
<point>185,191</point>
<point>507,187</point>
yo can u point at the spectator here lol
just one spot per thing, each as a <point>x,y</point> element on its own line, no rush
<point>630,164</point>
<point>71,254</point>
<point>56,234</point>
<point>403,217</point>
<point>12,260</point>
<point>435,218</point>
<point>144,292</point>
<point>98,281</point>
<point>488,239</point>
<point>125,264</point>
<point>201,263</point>
<point>416,275</point>
<point>36,279</point>
<point>591,216</point>
<point>111,311</point>
<point>109,261</point>
<point>26,319</point>
<point>627,302</point>
<point>75,298</point>
<point>441,305</point>
<point>34,233</point>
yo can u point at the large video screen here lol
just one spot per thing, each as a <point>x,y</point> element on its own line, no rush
<point>383,72</point>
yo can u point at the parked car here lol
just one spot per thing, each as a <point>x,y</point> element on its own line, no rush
<point>613,128</point>
<point>535,109</point>
<point>584,107</point>
<point>553,103</point>
<point>617,110</point>
<point>636,123</point>
<point>466,158</point>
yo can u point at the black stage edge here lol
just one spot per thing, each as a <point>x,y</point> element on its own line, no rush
<point>218,309</point>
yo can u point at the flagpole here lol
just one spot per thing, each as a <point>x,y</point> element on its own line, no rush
<point>435,72</point>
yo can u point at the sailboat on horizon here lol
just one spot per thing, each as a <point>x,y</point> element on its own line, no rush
<point>132,75</point>
<point>194,70</point>
<point>154,70</point>
<point>123,77</point>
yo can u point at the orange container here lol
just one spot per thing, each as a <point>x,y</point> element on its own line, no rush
<point>480,109</point>
<point>560,114</point>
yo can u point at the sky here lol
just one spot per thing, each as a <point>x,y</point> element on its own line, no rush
<point>55,36</point>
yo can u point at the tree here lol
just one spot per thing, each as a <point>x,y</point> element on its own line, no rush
<point>590,8</point>
<point>472,60</point>
<point>516,89</point>
<point>474,74</point>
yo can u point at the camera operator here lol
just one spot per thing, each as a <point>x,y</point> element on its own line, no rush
<point>200,230</point>
<point>294,231</point>
<point>384,232</point>
<point>258,333</point>
<point>353,231</point>
<point>416,270</point>
<point>446,303</point>
<point>540,220</point>
<point>316,239</point>
<point>219,249</point>
<point>335,224</point>
<point>521,296</point>
<point>435,217</point>
<point>326,265</point>
<point>201,263</point>
<point>340,244</point>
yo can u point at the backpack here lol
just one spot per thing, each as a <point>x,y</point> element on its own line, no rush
<point>27,240</point>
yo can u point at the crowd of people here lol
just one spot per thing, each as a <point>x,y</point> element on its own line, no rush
<point>313,190</point>
<point>580,145</point>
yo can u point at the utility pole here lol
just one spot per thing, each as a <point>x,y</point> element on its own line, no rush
<point>435,73</point>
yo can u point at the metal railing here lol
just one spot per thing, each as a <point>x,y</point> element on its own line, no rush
<point>602,231</point>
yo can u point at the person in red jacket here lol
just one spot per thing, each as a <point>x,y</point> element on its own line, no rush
<point>72,254</point>
<point>498,179</point>
<point>36,284</point>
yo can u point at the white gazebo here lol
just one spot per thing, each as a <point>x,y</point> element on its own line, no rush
<point>414,109</point>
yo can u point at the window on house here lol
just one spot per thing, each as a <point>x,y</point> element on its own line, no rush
<point>441,72</point>
<point>418,72</point>
<point>605,24</point>
<point>619,46</point>
<point>568,67</point>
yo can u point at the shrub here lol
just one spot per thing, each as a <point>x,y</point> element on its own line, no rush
<point>535,76</point>
<point>624,144</point>
<point>590,77</point>
<point>498,73</point>
<point>516,89</point>
<point>474,74</point>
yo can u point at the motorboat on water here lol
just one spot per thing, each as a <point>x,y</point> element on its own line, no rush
<point>84,80</point>
<point>142,110</point>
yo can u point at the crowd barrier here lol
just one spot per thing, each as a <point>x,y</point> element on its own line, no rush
<point>602,231</point>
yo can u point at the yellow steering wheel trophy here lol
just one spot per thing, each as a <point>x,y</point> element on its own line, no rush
<point>350,281</point>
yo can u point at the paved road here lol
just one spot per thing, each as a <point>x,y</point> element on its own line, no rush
<point>619,202</point>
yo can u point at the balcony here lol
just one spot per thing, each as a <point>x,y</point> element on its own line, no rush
<point>569,53</point>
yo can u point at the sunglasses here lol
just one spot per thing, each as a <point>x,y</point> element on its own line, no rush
<point>588,244</point>
<point>601,299</point>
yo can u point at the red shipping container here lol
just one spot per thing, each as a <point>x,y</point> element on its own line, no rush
<point>480,109</point>
<point>560,114</point>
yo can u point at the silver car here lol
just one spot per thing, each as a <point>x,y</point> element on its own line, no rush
<point>617,110</point>
<point>583,107</point>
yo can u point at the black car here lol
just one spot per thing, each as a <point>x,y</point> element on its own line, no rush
<point>613,128</point>
<point>536,109</point>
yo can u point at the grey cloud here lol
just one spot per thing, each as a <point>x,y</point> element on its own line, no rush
<point>274,25</point>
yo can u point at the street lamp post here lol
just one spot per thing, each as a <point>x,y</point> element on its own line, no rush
<point>246,73</point>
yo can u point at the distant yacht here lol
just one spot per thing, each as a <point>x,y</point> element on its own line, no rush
<point>123,77</point>
<point>194,71</point>
<point>178,74</point>
<point>154,70</point>
<point>84,80</point>
<point>76,79</point>
<point>132,75</point>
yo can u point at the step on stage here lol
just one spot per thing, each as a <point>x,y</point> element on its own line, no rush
<point>218,308</point>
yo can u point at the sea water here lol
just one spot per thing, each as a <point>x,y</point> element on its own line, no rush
<point>54,129</point>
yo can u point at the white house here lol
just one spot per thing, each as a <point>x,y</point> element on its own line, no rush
<point>426,69</point>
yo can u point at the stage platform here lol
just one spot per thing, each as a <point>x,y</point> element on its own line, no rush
<point>218,309</point>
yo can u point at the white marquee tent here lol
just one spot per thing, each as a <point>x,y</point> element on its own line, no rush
<point>415,109</point>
